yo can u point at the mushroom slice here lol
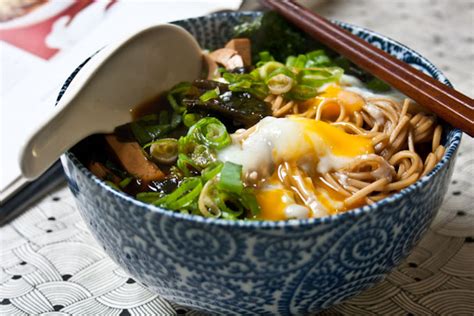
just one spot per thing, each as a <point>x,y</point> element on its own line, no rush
<point>227,57</point>
<point>132,159</point>
<point>102,172</point>
<point>243,48</point>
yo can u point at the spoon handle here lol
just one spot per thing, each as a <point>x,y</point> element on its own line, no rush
<point>447,103</point>
<point>45,147</point>
<point>66,125</point>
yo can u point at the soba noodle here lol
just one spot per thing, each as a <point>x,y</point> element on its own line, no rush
<point>396,130</point>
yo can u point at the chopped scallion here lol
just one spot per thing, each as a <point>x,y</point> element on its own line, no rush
<point>125,182</point>
<point>164,150</point>
<point>149,197</point>
<point>231,178</point>
<point>189,119</point>
<point>210,132</point>
<point>210,94</point>
<point>211,171</point>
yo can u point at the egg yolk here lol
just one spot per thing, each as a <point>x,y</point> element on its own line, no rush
<point>273,203</point>
<point>338,141</point>
<point>351,101</point>
<point>332,142</point>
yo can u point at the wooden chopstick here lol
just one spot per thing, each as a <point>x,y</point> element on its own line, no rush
<point>449,104</point>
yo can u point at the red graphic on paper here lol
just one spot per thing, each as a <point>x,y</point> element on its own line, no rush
<point>32,37</point>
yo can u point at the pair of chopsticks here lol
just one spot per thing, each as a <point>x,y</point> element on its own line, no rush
<point>449,104</point>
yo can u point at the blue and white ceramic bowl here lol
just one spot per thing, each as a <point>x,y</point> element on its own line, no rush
<point>249,267</point>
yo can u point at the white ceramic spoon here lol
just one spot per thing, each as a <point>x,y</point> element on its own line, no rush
<point>100,97</point>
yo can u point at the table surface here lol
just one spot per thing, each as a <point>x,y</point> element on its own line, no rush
<point>50,262</point>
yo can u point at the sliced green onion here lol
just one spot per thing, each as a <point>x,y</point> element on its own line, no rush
<point>113,185</point>
<point>238,81</point>
<point>202,156</point>
<point>207,202</point>
<point>183,164</point>
<point>302,92</point>
<point>183,196</point>
<point>149,197</point>
<point>185,186</point>
<point>210,132</point>
<point>268,68</point>
<point>178,90</point>
<point>296,61</point>
<point>176,119</point>
<point>223,202</point>
<point>186,144</point>
<point>125,182</point>
<point>280,84</point>
<point>188,198</point>
<point>317,58</point>
<point>282,70</point>
<point>210,94</point>
<point>164,150</point>
<point>290,61</point>
<point>174,104</point>
<point>211,171</point>
<point>249,200</point>
<point>265,56</point>
<point>251,83</point>
<point>318,77</point>
<point>189,119</point>
<point>164,117</point>
<point>140,133</point>
<point>231,178</point>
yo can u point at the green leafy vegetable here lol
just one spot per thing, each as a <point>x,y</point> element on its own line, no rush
<point>152,127</point>
<point>274,34</point>
<point>176,93</point>
<point>378,85</point>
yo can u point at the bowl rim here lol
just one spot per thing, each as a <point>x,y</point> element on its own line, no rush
<point>449,154</point>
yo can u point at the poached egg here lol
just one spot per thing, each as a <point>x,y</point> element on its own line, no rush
<point>316,147</point>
